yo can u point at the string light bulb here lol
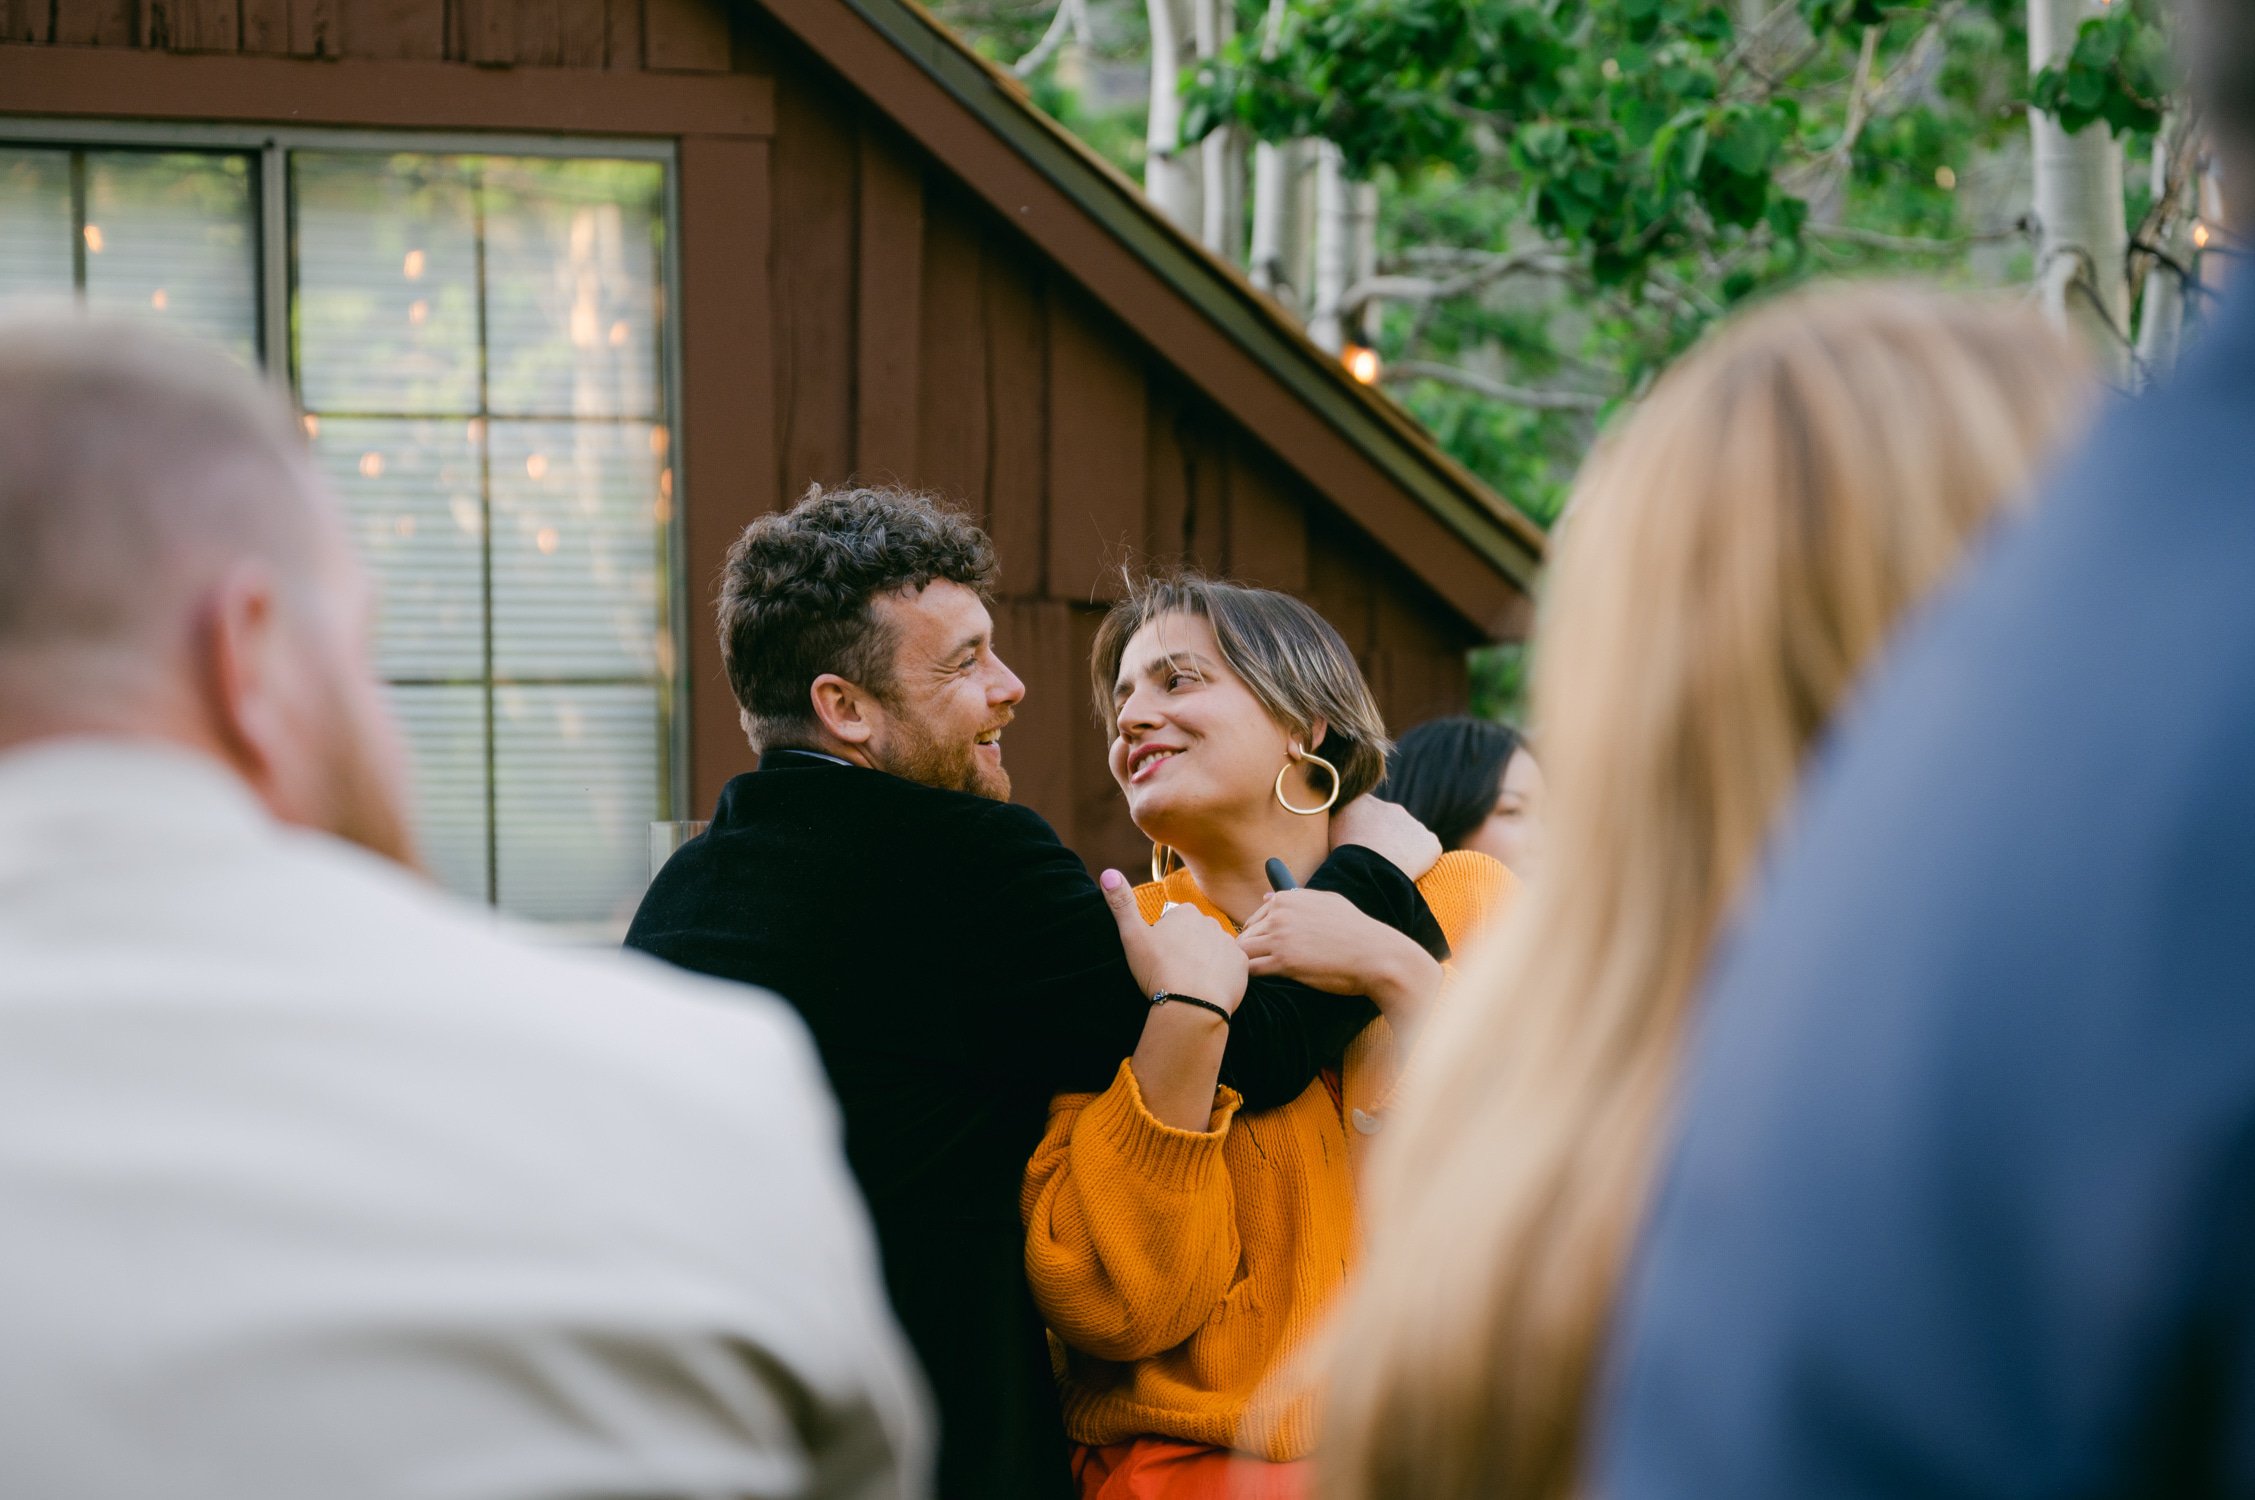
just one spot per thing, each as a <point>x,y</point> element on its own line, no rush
<point>2201,236</point>
<point>1361,362</point>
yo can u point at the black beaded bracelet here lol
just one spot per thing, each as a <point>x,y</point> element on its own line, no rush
<point>1163,996</point>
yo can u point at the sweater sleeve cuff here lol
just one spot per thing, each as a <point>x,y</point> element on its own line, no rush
<point>1379,890</point>
<point>1178,1160</point>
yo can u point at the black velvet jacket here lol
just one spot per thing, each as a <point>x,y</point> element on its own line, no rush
<point>958,966</point>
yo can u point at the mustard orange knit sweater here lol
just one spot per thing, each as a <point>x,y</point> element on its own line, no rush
<point>1178,1268</point>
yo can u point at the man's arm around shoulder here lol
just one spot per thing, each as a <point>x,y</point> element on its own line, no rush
<point>1063,984</point>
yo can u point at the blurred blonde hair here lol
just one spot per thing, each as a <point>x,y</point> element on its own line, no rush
<point>1728,565</point>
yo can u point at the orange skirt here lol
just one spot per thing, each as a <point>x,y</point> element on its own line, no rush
<point>1156,1468</point>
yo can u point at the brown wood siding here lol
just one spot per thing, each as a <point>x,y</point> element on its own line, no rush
<point>687,36</point>
<point>727,446</point>
<point>969,365</point>
<point>849,310</point>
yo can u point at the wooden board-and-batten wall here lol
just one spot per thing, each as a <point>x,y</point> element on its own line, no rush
<point>849,310</point>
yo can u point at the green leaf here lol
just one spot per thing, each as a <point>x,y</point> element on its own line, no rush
<point>1627,139</point>
<point>2118,70</point>
<point>1786,215</point>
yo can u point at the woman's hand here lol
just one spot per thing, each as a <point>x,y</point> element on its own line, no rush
<point>1185,951</point>
<point>1178,1061</point>
<point>1322,940</point>
<point>1387,829</point>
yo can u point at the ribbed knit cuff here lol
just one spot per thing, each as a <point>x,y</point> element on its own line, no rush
<point>1176,1160</point>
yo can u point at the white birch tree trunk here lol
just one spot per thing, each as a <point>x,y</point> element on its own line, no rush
<point>1276,174</point>
<point>1365,321</point>
<point>1170,175</point>
<point>1222,177</point>
<point>2216,210</point>
<point>1272,189</point>
<point>1222,153</point>
<point>1334,248</point>
<point>1284,223</point>
<point>2081,261</point>
<point>2161,312</point>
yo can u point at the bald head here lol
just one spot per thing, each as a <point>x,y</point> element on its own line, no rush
<point>134,469</point>
<point>176,570</point>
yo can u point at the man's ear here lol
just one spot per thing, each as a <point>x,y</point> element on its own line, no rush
<point>846,710</point>
<point>241,694</point>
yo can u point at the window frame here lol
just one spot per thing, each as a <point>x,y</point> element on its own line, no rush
<point>269,147</point>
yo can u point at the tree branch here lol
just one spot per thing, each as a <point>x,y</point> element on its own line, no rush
<point>2182,141</point>
<point>1681,294</point>
<point>1065,23</point>
<point>1860,98</point>
<point>1484,269</point>
<point>1493,389</point>
<point>1780,16</point>
<point>1904,244</point>
<point>1868,100</point>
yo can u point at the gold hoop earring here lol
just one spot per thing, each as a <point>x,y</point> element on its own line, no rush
<point>1163,862</point>
<point>1299,756</point>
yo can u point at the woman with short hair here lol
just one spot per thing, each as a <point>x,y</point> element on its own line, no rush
<point>1178,1248</point>
<point>1475,783</point>
<point>1732,560</point>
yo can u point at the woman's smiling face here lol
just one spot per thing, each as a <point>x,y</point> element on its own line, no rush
<point>1191,745</point>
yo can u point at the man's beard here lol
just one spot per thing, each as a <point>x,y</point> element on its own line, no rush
<point>950,765</point>
<point>365,798</point>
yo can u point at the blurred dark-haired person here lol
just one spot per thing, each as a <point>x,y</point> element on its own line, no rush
<point>956,963</point>
<point>1475,783</point>
<point>1962,1201</point>
<point>314,1182</point>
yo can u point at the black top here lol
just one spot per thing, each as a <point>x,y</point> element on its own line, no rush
<point>958,966</point>
<point>1964,1202</point>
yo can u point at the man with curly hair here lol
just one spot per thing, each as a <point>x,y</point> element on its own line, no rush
<point>956,963</point>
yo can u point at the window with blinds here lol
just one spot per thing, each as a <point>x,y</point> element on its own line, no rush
<point>156,234</point>
<point>477,342</point>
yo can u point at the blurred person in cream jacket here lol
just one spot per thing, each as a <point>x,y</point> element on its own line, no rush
<point>315,1182</point>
